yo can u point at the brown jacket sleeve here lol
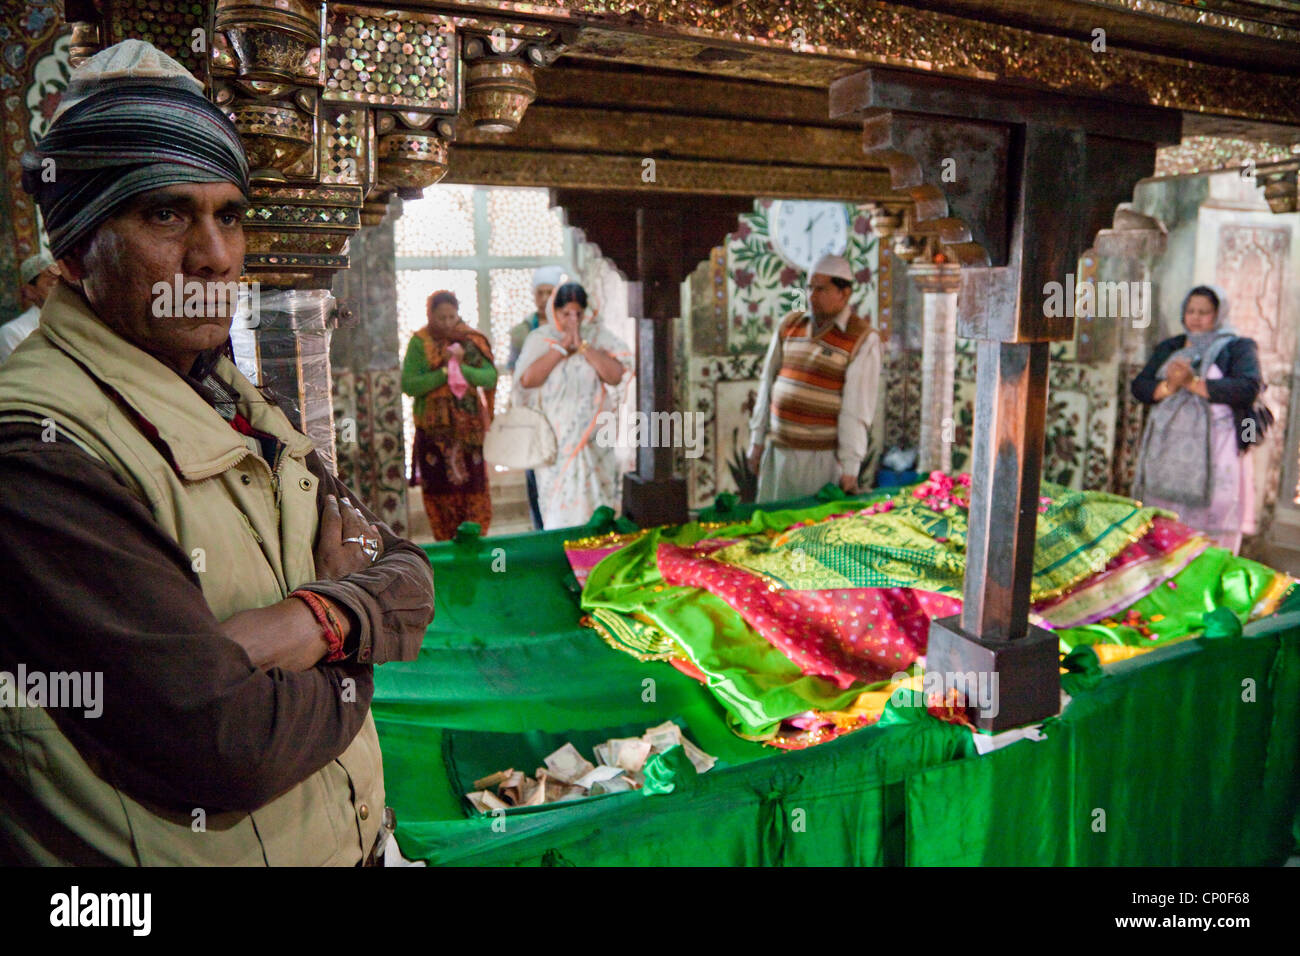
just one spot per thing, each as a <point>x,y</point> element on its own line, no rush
<point>92,584</point>
<point>392,600</point>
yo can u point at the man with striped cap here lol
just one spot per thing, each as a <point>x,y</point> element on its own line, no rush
<point>180,564</point>
<point>817,395</point>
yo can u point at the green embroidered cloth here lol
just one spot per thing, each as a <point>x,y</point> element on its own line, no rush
<point>910,546</point>
<point>756,684</point>
<point>913,546</point>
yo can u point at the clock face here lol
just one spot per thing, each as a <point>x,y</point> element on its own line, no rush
<point>803,231</point>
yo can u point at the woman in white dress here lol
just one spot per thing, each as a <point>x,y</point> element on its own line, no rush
<point>569,368</point>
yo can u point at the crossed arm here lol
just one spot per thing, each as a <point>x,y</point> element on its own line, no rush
<point>1238,387</point>
<point>188,717</point>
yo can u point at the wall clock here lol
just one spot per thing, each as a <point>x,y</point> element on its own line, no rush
<point>804,231</point>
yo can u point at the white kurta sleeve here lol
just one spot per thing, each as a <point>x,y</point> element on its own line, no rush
<point>858,405</point>
<point>607,341</point>
<point>14,331</point>
<point>758,422</point>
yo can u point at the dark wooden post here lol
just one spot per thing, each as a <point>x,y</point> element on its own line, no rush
<point>1010,406</point>
<point>652,494</point>
<point>1053,167</point>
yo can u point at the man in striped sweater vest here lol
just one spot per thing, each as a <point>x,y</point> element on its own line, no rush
<point>817,397</point>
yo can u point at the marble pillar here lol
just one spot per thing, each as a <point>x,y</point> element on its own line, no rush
<point>938,285</point>
<point>366,360</point>
<point>292,330</point>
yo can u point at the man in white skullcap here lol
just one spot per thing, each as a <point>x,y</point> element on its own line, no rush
<point>817,395</point>
<point>39,273</point>
<point>169,539</point>
<point>545,281</point>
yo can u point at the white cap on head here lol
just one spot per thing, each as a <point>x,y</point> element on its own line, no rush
<point>547,275</point>
<point>33,266</point>
<point>837,267</point>
<point>129,62</point>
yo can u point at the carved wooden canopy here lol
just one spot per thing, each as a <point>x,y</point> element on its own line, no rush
<point>341,105</point>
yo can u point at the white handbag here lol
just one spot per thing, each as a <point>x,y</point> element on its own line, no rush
<point>520,438</point>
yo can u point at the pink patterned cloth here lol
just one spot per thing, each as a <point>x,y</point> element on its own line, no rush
<point>583,557</point>
<point>1095,598</point>
<point>582,560</point>
<point>456,378</point>
<point>863,635</point>
<point>845,635</point>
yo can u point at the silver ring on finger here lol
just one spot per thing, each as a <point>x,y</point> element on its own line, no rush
<point>369,546</point>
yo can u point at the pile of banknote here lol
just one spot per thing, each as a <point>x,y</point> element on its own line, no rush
<point>568,775</point>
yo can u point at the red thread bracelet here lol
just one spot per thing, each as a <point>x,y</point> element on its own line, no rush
<point>331,629</point>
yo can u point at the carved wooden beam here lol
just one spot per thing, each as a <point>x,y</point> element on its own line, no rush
<point>579,83</point>
<point>1182,57</point>
<point>640,133</point>
<point>492,167</point>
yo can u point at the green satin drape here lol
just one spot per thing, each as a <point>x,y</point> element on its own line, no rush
<point>1186,769</point>
<point>757,684</point>
<point>1217,581</point>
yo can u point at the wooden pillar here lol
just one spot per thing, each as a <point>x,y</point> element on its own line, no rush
<point>652,494</point>
<point>1057,165</point>
<point>1010,409</point>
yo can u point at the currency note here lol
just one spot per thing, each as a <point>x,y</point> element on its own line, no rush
<point>597,774</point>
<point>567,764</point>
<point>663,737</point>
<point>485,801</point>
<point>630,753</point>
<point>701,761</point>
<point>492,780</point>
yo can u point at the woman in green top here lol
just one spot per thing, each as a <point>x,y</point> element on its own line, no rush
<point>449,372</point>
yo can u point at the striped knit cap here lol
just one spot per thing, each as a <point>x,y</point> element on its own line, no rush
<point>132,120</point>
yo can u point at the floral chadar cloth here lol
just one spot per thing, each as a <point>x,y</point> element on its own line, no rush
<point>805,623</point>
